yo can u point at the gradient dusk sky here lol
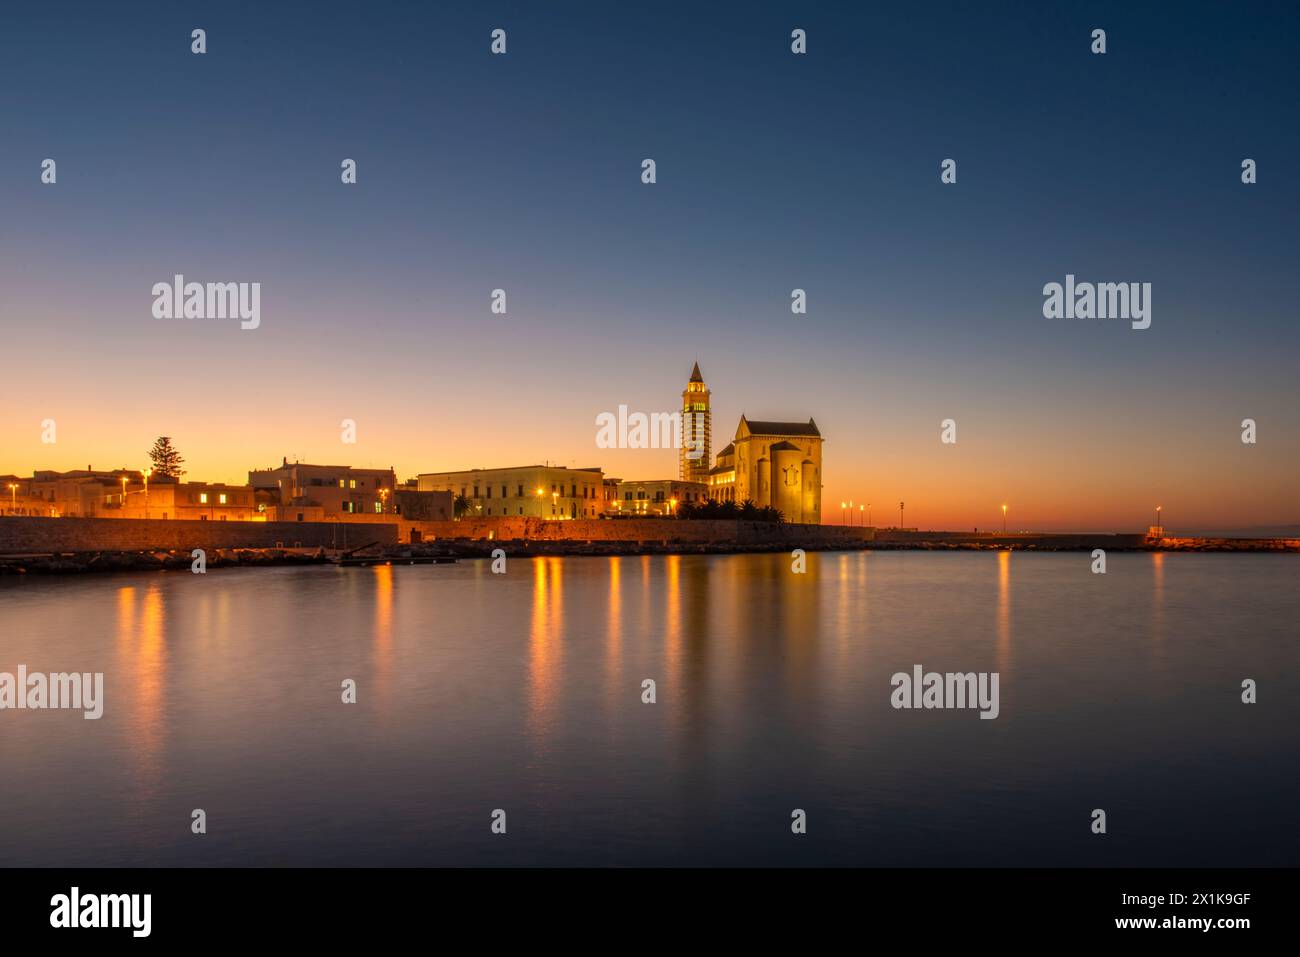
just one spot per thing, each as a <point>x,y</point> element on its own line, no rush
<point>775,171</point>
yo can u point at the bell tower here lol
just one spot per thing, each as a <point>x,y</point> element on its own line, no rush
<point>696,452</point>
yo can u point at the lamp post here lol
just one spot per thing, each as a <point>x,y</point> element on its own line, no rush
<point>123,503</point>
<point>13,497</point>
<point>868,513</point>
<point>383,501</point>
<point>843,512</point>
<point>860,508</point>
<point>147,473</point>
<point>1160,528</point>
<point>1004,518</point>
<point>900,516</point>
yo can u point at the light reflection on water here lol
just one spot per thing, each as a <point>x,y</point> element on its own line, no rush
<point>523,691</point>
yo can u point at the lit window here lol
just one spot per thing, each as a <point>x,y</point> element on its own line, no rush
<point>203,498</point>
<point>222,498</point>
<point>352,483</point>
<point>379,506</point>
<point>340,483</point>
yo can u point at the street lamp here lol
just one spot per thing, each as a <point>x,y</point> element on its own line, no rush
<point>13,496</point>
<point>147,473</point>
<point>1004,518</point>
<point>843,512</point>
<point>383,501</point>
<point>673,503</point>
<point>868,513</point>
<point>860,508</point>
<point>900,516</point>
<point>123,502</point>
<point>1160,529</point>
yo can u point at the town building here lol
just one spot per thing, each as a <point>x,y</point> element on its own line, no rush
<point>323,492</point>
<point>539,491</point>
<point>656,497</point>
<point>84,492</point>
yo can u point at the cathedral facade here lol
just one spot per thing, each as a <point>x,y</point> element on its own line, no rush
<point>772,464</point>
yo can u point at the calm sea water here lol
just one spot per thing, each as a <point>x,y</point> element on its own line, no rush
<point>523,692</point>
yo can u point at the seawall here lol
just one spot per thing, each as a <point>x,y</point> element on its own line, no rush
<point>21,534</point>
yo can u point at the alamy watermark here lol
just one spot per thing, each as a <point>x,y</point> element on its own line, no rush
<point>930,689</point>
<point>658,430</point>
<point>1103,300</point>
<point>212,300</point>
<point>78,691</point>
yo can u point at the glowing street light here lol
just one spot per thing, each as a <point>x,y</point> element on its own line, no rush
<point>673,503</point>
<point>13,496</point>
<point>147,473</point>
<point>860,508</point>
<point>1160,529</point>
<point>383,501</point>
<point>1004,518</point>
<point>124,491</point>
<point>843,512</point>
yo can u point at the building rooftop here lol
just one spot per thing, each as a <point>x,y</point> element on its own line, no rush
<point>781,428</point>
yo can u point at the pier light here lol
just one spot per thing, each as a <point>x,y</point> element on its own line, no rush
<point>1004,517</point>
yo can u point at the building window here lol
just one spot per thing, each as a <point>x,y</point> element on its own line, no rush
<point>520,493</point>
<point>222,498</point>
<point>203,498</point>
<point>379,507</point>
<point>340,483</point>
<point>352,483</point>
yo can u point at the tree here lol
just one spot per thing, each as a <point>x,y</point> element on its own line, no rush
<point>166,460</point>
<point>462,505</point>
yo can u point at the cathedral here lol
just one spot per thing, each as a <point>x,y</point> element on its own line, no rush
<point>777,464</point>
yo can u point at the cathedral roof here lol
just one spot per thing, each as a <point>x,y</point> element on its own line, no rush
<point>781,428</point>
<point>695,374</point>
<point>784,447</point>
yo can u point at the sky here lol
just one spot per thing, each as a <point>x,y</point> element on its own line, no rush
<point>774,172</point>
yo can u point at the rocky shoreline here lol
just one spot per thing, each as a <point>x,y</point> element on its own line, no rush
<point>183,560</point>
